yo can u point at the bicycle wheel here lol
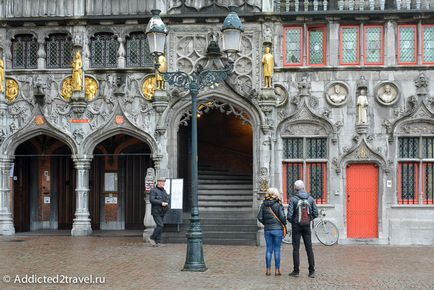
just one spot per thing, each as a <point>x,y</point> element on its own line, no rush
<point>326,232</point>
<point>287,239</point>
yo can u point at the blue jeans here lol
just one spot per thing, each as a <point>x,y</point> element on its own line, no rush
<point>273,240</point>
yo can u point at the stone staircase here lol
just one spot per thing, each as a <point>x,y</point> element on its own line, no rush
<point>226,213</point>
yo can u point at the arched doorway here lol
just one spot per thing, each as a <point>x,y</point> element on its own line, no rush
<point>225,160</point>
<point>43,185</point>
<point>117,181</point>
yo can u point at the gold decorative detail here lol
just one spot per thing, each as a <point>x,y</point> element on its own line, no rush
<point>2,76</point>
<point>39,120</point>
<point>90,92</point>
<point>91,88</point>
<point>161,69</point>
<point>268,62</point>
<point>148,88</point>
<point>12,89</point>
<point>77,73</point>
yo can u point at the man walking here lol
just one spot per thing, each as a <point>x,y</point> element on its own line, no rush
<point>301,211</point>
<point>160,204</point>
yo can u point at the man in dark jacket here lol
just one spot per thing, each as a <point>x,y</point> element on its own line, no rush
<point>160,204</point>
<point>299,230</point>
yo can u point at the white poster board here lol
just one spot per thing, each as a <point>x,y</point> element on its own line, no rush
<point>174,187</point>
<point>110,182</point>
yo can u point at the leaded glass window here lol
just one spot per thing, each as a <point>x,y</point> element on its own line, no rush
<point>24,52</point>
<point>407,44</point>
<point>408,147</point>
<point>428,44</point>
<point>309,160</point>
<point>428,183</point>
<point>349,45</point>
<point>373,45</point>
<point>293,46</point>
<point>138,53</point>
<point>317,46</point>
<point>408,182</point>
<point>104,50</point>
<point>59,51</point>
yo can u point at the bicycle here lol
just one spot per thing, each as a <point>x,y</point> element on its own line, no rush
<point>325,231</point>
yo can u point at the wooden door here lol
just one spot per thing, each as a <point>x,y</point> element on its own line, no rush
<point>132,179</point>
<point>65,189</point>
<point>21,188</point>
<point>362,201</point>
<point>96,187</point>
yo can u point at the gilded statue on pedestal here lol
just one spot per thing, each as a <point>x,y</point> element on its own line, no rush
<point>77,73</point>
<point>12,90</point>
<point>268,63</point>
<point>2,76</point>
<point>161,69</point>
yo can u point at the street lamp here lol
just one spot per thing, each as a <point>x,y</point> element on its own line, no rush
<point>194,82</point>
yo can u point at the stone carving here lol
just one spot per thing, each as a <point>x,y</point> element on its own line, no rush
<point>212,6</point>
<point>268,65</point>
<point>304,86</point>
<point>416,128</point>
<point>362,105</point>
<point>336,94</point>
<point>78,135</point>
<point>2,76</point>
<point>387,94</point>
<point>263,179</point>
<point>148,87</point>
<point>267,35</point>
<point>304,129</point>
<point>12,89</point>
<point>421,83</point>
<point>101,109</point>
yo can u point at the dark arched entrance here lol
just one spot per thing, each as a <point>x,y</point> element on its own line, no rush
<point>117,180</point>
<point>225,156</point>
<point>43,185</point>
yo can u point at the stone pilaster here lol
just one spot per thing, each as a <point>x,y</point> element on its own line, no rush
<point>6,218</point>
<point>81,225</point>
<point>121,52</point>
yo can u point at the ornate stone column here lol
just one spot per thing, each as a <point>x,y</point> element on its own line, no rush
<point>81,225</point>
<point>148,220</point>
<point>121,52</point>
<point>6,219</point>
<point>41,52</point>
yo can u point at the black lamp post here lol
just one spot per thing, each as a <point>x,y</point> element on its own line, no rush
<point>199,79</point>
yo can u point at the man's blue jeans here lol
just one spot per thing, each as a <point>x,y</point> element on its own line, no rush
<point>273,239</point>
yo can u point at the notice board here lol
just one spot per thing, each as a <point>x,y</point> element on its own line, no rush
<point>174,187</point>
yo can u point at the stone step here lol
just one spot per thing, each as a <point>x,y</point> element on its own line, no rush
<point>224,177</point>
<point>224,197</point>
<point>228,215</point>
<point>224,181</point>
<point>225,203</point>
<point>232,186</point>
<point>233,192</point>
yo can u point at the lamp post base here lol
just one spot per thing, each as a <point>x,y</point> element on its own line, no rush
<point>194,261</point>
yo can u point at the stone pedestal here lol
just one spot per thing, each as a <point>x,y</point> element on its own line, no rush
<point>81,225</point>
<point>78,104</point>
<point>6,218</point>
<point>161,100</point>
<point>148,220</point>
<point>362,128</point>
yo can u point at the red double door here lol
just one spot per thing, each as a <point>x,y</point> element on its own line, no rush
<point>362,201</point>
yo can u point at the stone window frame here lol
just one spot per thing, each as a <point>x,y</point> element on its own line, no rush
<point>143,49</point>
<point>31,46</point>
<point>60,39</point>
<point>420,163</point>
<point>106,37</point>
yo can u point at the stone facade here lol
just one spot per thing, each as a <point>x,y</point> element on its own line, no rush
<point>300,105</point>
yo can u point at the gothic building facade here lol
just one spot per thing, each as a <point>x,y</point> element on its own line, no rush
<point>349,111</point>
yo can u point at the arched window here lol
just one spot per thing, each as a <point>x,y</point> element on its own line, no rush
<point>59,51</point>
<point>104,49</point>
<point>24,51</point>
<point>138,54</point>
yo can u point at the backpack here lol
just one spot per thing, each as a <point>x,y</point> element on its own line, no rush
<point>303,212</point>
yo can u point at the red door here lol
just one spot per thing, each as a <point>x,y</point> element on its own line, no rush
<point>362,201</point>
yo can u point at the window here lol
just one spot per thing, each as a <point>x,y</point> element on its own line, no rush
<point>59,51</point>
<point>349,45</point>
<point>104,50</point>
<point>416,155</point>
<point>138,51</point>
<point>428,44</point>
<point>374,45</point>
<point>24,52</point>
<point>293,46</point>
<point>305,159</point>
<point>407,44</point>
<point>316,51</point>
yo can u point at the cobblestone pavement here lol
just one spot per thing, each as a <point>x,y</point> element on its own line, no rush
<point>128,263</point>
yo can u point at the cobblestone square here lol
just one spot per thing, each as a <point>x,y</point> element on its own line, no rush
<point>128,263</point>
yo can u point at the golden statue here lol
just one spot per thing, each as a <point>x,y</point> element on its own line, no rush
<point>91,88</point>
<point>66,91</point>
<point>268,62</point>
<point>162,68</point>
<point>77,73</point>
<point>12,89</point>
<point>148,87</point>
<point>2,76</point>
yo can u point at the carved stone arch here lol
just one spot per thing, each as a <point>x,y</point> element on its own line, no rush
<point>360,152</point>
<point>47,33</point>
<point>89,144</point>
<point>9,146</point>
<point>304,115</point>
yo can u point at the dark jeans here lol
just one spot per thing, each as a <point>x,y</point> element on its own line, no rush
<point>156,235</point>
<point>273,239</point>
<point>297,232</point>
